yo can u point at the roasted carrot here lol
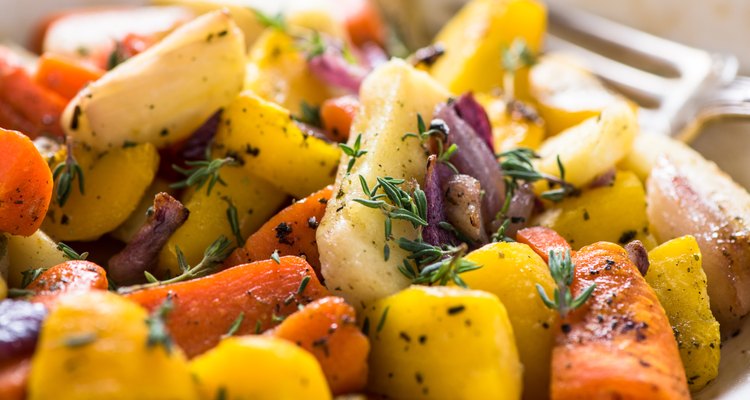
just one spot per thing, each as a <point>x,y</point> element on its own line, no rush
<point>70,276</point>
<point>14,373</point>
<point>327,328</point>
<point>542,240</point>
<point>291,232</point>
<point>363,22</point>
<point>337,115</point>
<point>63,75</point>
<point>25,184</point>
<point>27,105</point>
<point>260,294</point>
<point>619,344</point>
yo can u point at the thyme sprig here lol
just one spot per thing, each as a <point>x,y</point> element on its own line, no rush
<point>65,173</point>
<point>309,114</point>
<point>201,172</point>
<point>31,275</point>
<point>435,265</point>
<point>234,221</point>
<point>276,21</point>
<point>353,152</point>
<point>515,57</point>
<point>439,130</point>
<point>71,254</point>
<point>562,269</point>
<point>158,334</point>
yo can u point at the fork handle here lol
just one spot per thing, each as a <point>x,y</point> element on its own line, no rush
<point>729,101</point>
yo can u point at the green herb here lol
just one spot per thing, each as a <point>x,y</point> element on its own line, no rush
<point>71,254</point>
<point>117,56</point>
<point>65,173</point>
<point>310,115</point>
<point>234,221</point>
<point>158,335</point>
<point>565,188</point>
<point>313,45</point>
<point>303,285</point>
<point>353,152</point>
<point>258,327</point>
<point>514,58</point>
<point>499,235</point>
<point>80,340</point>
<point>15,293</point>
<point>276,21</point>
<point>435,265</point>
<point>439,130</point>
<point>383,316</point>
<point>204,171</point>
<point>30,275</point>
<point>221,393</point>
<point>235,325</point>
<point>275,256</point>
<point>562,270</point>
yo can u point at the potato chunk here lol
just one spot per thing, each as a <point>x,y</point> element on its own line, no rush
<point>94,345</point>
<point>678,279</point>
<point>351,236</point>
<point>511,271</point>
<point>260,368</point>
<point>442,343</point>
<point>25,253</point>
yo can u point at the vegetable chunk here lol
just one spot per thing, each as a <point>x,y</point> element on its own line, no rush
<point>442,343</point>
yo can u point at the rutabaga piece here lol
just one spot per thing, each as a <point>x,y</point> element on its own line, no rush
<point>351,236</point>
<point>164,94</point>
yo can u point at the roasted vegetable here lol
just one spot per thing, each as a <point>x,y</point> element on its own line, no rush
<point>268,143</point>
<point>513,125</point>
<point>543,240</point>
<point>114,183</point>
<point>280,371</point>
<point>20,322</point>
<point>70,276</point>
<point>619,343</point>
<point>65,76</point>
<point>169,90</point>
<point>25,253</point>
<point>442,343</point>
<point>337,116</point>
<point>108,341</point>
<point>351,236</point>
<point>328,329</point>
<point>511,271</point>
<point>676,275</point>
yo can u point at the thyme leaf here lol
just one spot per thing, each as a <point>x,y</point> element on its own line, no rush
<point>277,21</point>
<point>235,325</point>
<point>158,334</point>
<point>562,270</point>
<point>71,254</point>
<point>65,173</point>
<point>202,172</point>
<point>353,152</point>
<point>438,130</point>
<point>234,221</point>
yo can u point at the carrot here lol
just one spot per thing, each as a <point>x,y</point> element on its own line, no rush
<point>63,75</point>
<point>29,106</point>
<point>25,184</point>
<point>70,276</point>
<point>291,232</point>
<point>363,22</point>
<point>337,115</point>
<point>14,373</point>
<point>542,240</point>
<point>261,294</point>
<point>619,344</point>
<point>327,328</point>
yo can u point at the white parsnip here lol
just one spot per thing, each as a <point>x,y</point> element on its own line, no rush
<point>25,253</point>
<point>165,93</point>
<point>351,236</point>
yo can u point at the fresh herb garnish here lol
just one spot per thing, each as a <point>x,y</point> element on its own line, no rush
<point>234,221</point>
<point>71,254</point>
<point>204,171</point>
<point>439,130</point>
<point>353,152</point>
<point>271,21</point>
<point>435,265</point>
<point>65,173</point>
<point>514,58</point>
<point>117,56</point>
<point>30,275</point>
<point>562,269</point>
<point>158,335</point>
<point>383,316</point>
<point>309,114</point>
<point>303,285</point>
<point>313,45</point>
<point>235,325</point>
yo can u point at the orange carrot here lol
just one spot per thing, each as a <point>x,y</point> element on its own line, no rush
<point>542,240</point>
<point>25,184</point>
<point>14,373</point>
<point>37,108</point>
<point>291,232</point>
<point>363,22</point>
<point>327,328</point>
<point>70,276</point>
<point>261,294</point>
<point>63,75</point>
<point>337,115</point>
<point>619,344</point>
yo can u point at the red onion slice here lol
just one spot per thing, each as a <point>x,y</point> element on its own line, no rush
<point>333,69</point>
<point>437,175</point>
<point>520,209</point>
<point>20,323</point>
<point>475,115</point>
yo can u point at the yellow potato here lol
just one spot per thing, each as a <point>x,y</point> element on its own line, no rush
<point>93,345</point>
<point>259,368</point>
<point>25,253</point>
<point>442,343</point>
<point>511,130</point>
<point>614,213</point>
<point>678,279</point>
<point>475,38</point>
<point>269,144</point>
<point>114,182</point>
<point>255,200</point>
<point>511,272</point>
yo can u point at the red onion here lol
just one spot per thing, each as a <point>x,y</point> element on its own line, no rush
<point>638,255</point>
<point>520,209</point>
<point>372,55</point>
<point>195,146</point>
<point>313,131</point>
<point>605,179</point>
<point>474,114</point>
<point>437,174</point>
<point>20,323</point>
<point>463,208</point>
<point>331,68</point>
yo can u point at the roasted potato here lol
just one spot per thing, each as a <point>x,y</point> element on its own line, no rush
<point>510,130</point>
<point>25,253</point>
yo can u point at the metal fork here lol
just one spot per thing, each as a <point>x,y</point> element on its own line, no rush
<point>678,88</point>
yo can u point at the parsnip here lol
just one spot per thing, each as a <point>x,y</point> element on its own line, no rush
<point>25,253</point>
<point>351,236</point>
<point>163,94</point>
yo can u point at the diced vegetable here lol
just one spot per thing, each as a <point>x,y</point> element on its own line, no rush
<point>65,76</point>
<point>351,236</point>
<point>591,148</point>
<point>518,126</point>
<point>543,240</point>
<point>114,182</point>
<point>25,184</point>
<point>264,292</point>
<point>70,276</point>
<point>474,40</point>
<point>511,272</point>
<point>328,329</point>
<point>338,115</point>
<point>25,253</point>
<point>279,370</point>
<point>291,232</point>
<point>107,340</point>
<point>678,279</point>
<point>613,213</point>
<point>168,91</point>
<point>138,217</point>
<point>442,343</point>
